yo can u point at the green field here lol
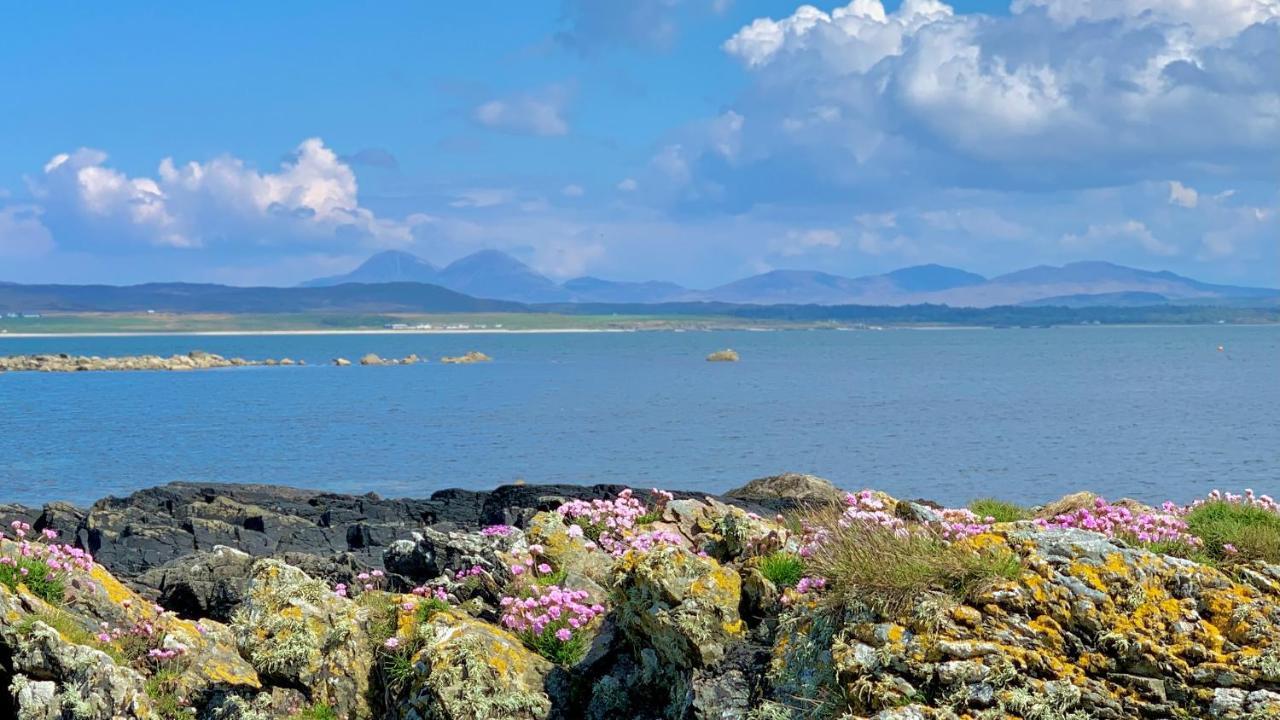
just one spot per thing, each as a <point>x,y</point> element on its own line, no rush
<point>216,322</point>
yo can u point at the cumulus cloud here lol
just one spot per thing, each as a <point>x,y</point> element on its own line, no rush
<point>312,198</point>
<point>1180,194</point>
<point>539,113</point>
<point>1057,94</point>
<point>628,185</point>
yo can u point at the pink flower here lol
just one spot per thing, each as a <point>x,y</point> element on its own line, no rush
<point>564,634</point>
<point>392,643</point>
<point>544,569</point>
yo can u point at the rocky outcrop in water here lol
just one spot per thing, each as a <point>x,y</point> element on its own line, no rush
<point>471,357</point>
<point>63,362</point>
<point>724,356</point>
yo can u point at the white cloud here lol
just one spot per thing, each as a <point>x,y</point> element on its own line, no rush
<point>1058,94</point>
<point>1183,195</point>
<point>1098,237</point>
<point>628,185</point>
<point>312,198</point>
<point>573,191</point>
<point>539,113</point>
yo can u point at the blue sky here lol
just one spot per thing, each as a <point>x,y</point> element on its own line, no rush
<point>690,140</point>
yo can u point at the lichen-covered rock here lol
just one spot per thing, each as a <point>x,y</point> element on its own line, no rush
<point>295,631</point>
<point>470,670</point>
<point>789,490</point>
<point>682,606</point>
<point>1092,629</point>
<point>570,553</point>
<point>53,676</point>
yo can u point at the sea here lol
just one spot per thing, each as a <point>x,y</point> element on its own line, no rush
<point>1022,414</point>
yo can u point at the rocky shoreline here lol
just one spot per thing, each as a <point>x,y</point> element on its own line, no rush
<point>786,598</point>
<point>194,360</point>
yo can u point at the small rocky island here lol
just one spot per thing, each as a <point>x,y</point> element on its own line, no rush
<point>62,362</point>
<point>786,598</point>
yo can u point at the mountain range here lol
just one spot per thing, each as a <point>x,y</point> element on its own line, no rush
<point>496,275</point>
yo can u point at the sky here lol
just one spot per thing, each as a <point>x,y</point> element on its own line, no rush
<point>696,141</point>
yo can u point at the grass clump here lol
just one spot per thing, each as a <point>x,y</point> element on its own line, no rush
<point>890,569</point>
<point>35,573</point>
<point>1000,510</point>
<point>317,711</point>
<point>782,568</point>
<point>1236,531</point>
<point>164,688</point>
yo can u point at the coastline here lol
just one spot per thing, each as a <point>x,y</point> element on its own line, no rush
<point>212,333</point>
<point>599,602</point>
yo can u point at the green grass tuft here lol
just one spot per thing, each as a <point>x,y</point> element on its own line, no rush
<point>999,509</point>
<point>164,688</point>
<point>1254,531</point>
<point>782,568</point>
<point>318,711</point>
<point>871,564</point>
<point>40,580</point>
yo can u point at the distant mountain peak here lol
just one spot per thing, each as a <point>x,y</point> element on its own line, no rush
<point>384,267</point>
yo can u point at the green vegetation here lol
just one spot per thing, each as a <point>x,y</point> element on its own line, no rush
<point>889,571</point>
<point>164,687</point>
<point>427,607</point>
<point>782,568</point>
<point>43,582</point>
<point>999,509</point>
<point>72,631</point>
<point>565,653</point>
<point>1253,532</point>
<point>317,711</point>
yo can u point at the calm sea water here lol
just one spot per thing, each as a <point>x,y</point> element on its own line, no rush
<point>1023,414</point>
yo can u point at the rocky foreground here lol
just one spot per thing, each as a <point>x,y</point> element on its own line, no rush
<point>784,599</point>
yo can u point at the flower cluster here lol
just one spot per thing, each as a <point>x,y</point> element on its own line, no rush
<point>36,560</point>
<point>532,568</point>
<point>960,523</point>
<point>1116,521</point>
<point>497,531</point>
<point>435,592</point>
<point>365,582</point>
<point>608,522</point>
<point>1248,499</point>
<point>646,541</point>
<point>865,508</point>
<point>552,621</point>
<point>141,641</point>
